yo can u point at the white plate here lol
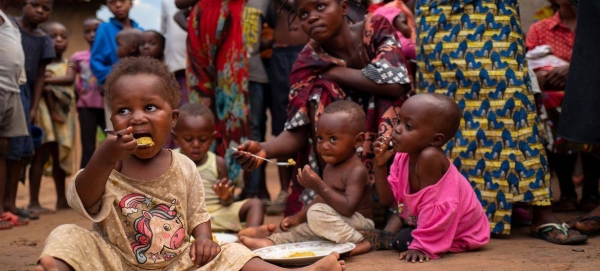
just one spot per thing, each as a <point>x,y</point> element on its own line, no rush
<point>280,254</point>
<point>225,238</point>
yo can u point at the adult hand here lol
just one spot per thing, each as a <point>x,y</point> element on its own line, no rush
<point>203,251</point>
<point>243,155</point>
<point>557,78</point>
<point>414,256</point>
<point>288,222</point>
<point>308,178</point>
<point>383,152</point>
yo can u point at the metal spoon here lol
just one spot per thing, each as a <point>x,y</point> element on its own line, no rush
<point>283,164</point>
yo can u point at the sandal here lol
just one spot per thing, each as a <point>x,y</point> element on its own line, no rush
<point>544,229</point>
<point>24,213</point>
<point>5,225</point>
<point>588,218</point>
<point>14,220</point>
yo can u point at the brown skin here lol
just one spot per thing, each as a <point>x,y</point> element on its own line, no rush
<point>344,185</point>
<point>416,135</point>
<point>325,22</point>
<point>120,9</point>
<point>195,134</point>
<point>557,77</point>
<point>288,34</point>
<point>401,24</point>
<point>35,13</point>
<point>89,30</point>
<point>59,35</point>
<point>152,45</point>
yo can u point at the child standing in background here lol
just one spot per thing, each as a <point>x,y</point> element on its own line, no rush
<point>39,51</point>
<point>128,42</point>
<point>58,139</point>
<point>152,45</point>
<point>12,115</point>
<point>89,105</point>
<point>439,211</point>
<point>194,132</point>
<point>104,49</point>
<point>175,45</point>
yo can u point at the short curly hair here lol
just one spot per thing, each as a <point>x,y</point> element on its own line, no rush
<point>144,65</point>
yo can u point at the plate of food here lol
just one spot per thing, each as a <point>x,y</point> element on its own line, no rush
<point>303,253</point>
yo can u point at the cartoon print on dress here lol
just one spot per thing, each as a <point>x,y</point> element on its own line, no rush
<point>154,230</point>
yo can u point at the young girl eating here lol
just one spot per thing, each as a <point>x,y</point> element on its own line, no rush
<point>145,201</point>
<point>439,211</point>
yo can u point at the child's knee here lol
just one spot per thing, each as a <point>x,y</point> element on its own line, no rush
<point>319,209</point>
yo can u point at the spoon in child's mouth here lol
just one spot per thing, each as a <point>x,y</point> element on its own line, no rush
<point>115,133</point>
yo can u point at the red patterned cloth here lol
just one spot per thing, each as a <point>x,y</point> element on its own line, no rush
<point>552,32</point>
<point>387,66</point>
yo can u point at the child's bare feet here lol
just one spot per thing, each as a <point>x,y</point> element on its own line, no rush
<point>261,231</point>
<point>256,243</point>
<point>362,247</point>
<point>330,262</point>
<point>47,263</point>
<point>54,116</point>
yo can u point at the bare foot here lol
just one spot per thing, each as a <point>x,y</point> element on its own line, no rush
<point>261,231</point>
<point>330,262</point>
<point>256,243</point>
<point>39,209</point>
<point>62,205</point>
<point>54,116</point>
<point>362,247</point>
<point>46,263</point>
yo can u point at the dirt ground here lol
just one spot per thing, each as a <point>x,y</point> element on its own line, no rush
<point>21,246</point>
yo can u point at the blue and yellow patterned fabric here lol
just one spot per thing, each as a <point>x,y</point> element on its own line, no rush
<point>473,51</point>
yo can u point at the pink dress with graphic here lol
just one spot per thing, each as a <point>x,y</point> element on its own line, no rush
<point>447,216</point>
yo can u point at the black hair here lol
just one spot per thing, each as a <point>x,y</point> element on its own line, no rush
<point>144,65</point>
<point>194,110</point>
<point>357,115</point>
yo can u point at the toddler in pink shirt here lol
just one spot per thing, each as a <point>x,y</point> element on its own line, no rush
<point>438,210</point>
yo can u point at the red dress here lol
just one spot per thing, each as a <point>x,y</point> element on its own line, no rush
<point>217,74</point>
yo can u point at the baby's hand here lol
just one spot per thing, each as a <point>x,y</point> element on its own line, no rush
<point>383,152</point>
<point>118,147</point>
<point>413,256</point>
<point>308,178</point>
<point>242,155</point>
<point>288,222</point>
<point>203,251</point>
<point>223,188</point>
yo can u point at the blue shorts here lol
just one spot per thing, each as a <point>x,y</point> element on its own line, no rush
<point>22,146</point>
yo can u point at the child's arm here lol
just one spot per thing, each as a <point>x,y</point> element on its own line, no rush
<point>355,79</point>
<point>224,187</point>
<point>181,4</point>
<point>382,156</point>
<point>346,202</point>
<point>38,89</point>
<point>435,231</point>
<point>100,59</point>
<point>67,79</point>
<point>204,249</point>
<point>181,18</point>
<point>299,217</point>
<point>90,183</point>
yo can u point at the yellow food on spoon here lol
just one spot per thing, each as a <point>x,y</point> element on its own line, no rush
<point>291,162</point>
<point>145,141</point>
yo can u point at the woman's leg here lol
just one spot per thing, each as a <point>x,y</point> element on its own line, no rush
<point>59,176</point>
<point>591,171</point>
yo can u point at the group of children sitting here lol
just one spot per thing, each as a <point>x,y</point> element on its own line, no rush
<point>147,201</point>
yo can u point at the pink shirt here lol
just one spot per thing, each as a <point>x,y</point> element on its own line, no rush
<point>86,84</point>
<point>447,216</point>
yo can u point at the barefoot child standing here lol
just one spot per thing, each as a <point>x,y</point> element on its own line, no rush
<point>194,132</point>
<point>145,201</point>
<point>59,137</point>
<point>343,203</point>
<point>439,211</point>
